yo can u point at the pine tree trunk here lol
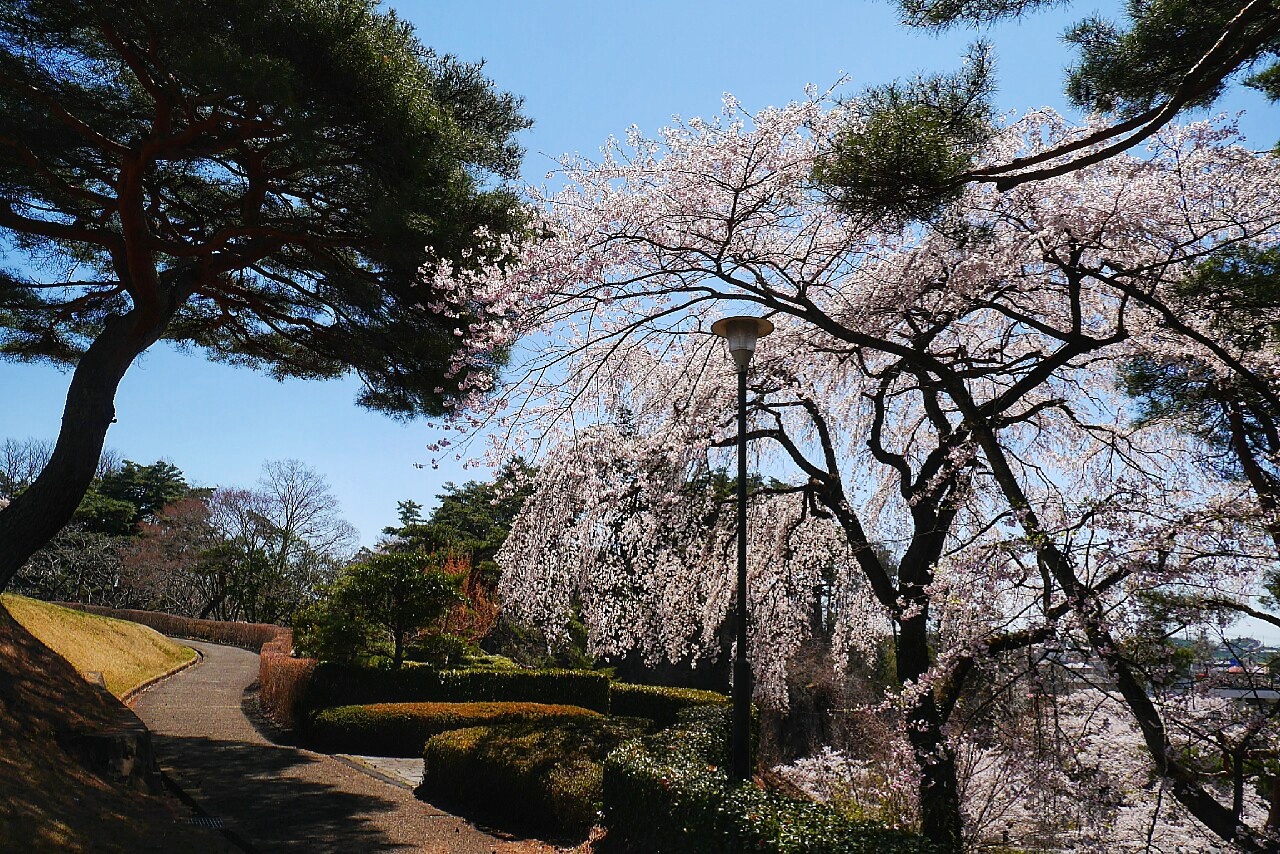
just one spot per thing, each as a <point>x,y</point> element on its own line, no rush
<point>32,519</point>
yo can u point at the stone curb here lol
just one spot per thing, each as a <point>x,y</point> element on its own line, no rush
<point>356,765</point>
<point>132,693</point>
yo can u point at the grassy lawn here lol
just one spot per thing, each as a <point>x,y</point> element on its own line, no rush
<point>126,654</point>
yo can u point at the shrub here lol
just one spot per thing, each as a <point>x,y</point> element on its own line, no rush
<point>250,636</point>
<point>670,793</point>
<point>336,685</point>
<point>335,631</point>
<point>526,775</point>
<point>401,729</point>
<point>477,614</point>
<point>658,704</point>
<point>283,679</point>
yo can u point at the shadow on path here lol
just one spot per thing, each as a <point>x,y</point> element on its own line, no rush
<point>241,785</point>
<point>216,748</point>
<point>251,708</point>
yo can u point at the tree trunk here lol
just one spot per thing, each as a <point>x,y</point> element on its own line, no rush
<point>207,611</point>
<point>940,819</point>
<point>1273,810</point>
<point>398,658</point>
<point>1184,783</point>
<point>35,516</point>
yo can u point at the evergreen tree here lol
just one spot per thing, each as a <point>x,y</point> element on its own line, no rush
<point>265,180</point>
<point>148,488</point>
<point>473,518</point>
<point>1236,414</point>
<point>909,148</point>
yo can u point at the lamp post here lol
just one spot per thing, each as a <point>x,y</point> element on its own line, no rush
<point>741,334</point>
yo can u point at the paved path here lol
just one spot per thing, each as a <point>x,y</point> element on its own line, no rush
<point>281,799</point>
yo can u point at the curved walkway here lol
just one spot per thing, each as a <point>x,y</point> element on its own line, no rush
<point>282,799</point>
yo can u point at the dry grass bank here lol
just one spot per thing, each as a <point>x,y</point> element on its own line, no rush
<point>126,654</point>
<point>49,801</point>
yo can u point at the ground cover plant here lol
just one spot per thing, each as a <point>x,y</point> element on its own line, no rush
<point>126,654</point>
<point>401,729</point>
<point>670,792</point>
<point>446,651</point>
<point>526,776</point>
<point>659,704</point>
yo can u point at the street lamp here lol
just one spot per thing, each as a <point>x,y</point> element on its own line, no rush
<point>741,334</point>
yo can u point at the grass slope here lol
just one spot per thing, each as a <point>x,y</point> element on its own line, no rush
<point>49,801</point>
<point>126,654</point>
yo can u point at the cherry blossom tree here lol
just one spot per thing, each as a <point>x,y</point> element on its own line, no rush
<point>1070,773</point>
<point>943,395</point>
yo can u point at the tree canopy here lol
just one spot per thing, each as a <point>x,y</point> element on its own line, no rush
<point>118,501</point>
<point>906,149</point>
<point>143,538</point>
<point>290,185</point>
<point>383,596</point>
<point>473,518</point>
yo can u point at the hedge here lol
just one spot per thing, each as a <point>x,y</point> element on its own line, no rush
<point>283,679</point>
<point>338,685</point>
<point>669,794</point>
<point>402,729</point>
<point>250,636</point>
<point>526,777</point>
<point>658,704</point>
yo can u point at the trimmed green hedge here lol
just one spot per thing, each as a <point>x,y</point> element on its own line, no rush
<point>658,704</point>
<point>338,685</point>
<point>446,652</point>
<point>669,794</point>
<point>401,729</point>
<point>525,776</point>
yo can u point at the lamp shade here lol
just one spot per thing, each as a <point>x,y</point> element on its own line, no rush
<point>741,334</point>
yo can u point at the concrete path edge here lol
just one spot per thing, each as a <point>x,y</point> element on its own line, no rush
<point>133,692</point>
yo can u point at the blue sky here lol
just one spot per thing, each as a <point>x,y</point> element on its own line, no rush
<point>586,70</point>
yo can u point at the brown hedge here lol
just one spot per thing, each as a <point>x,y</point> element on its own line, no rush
<point>283,679</point>
<point>401,729</point>
<point>250,636</point>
